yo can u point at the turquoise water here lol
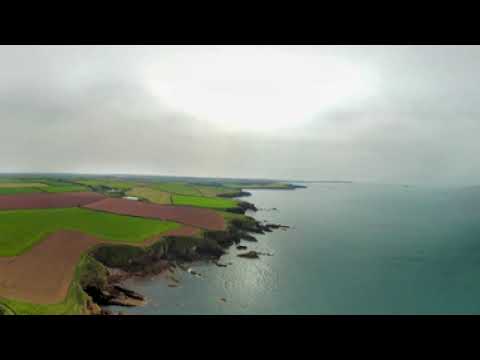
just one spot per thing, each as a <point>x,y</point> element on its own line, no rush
<point>353,249</point>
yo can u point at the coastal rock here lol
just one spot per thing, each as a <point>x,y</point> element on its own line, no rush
<point>252,254</point>
<point>249,255</point>
<point>126,261</point>
<point>130,293</point>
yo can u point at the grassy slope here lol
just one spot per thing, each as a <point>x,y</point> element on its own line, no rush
<point>20,230</point>
<point>199,201</point>
<point>154,196</point>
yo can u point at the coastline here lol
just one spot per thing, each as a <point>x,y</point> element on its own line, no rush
<point>114,264</point>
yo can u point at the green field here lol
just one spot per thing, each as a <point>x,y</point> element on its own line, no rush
<point>154,196</point>
<point>20,230</point>
<point>11,191</point>
<point>175,188</point>
<point>200,201</point>
<point>18,186</point>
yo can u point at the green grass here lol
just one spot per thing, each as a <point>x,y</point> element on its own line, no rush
<point>20,230</point>
<point>176,188</point>
<point>208,202</point>
<point>73,304</point>
<point>154,196</point>
<point>11,191</point>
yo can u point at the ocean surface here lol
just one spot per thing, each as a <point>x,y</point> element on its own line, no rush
<point>352,249</point>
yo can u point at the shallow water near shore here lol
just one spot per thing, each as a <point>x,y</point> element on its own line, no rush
<point>352,249</point>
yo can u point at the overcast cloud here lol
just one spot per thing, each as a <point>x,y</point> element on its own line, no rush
<point>366,113</point>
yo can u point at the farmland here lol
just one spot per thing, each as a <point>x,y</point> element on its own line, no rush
<point>197,217</point>
<point>22,229</point>
<point>154,196</point>
<point>50,226</point>
<point>16,186</point>
<point>47,200</point>
<point>17,190</point>
<point>176,188</point>
<point>114,184</point>
<point>200,201</point>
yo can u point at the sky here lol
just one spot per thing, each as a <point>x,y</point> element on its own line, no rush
<point>388,114</point>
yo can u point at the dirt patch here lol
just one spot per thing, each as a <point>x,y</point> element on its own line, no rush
<point>47,200</point>
<point>196,217</point>
<point>43,275</point>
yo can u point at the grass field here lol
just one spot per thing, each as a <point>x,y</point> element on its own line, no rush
<point>154,196</point>
<point>200,201</point>
<point>20,230</point>
<point>11,191</point>
<point>176,188</point>
<point>18,186</point>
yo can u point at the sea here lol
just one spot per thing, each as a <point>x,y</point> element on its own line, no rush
<point>352,248</point>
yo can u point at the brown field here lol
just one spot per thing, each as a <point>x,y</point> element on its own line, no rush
<point>47,200</point>
<point>197,217</point>
<point>43,275</point>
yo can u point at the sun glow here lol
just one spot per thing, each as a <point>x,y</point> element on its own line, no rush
<point>256,88</point>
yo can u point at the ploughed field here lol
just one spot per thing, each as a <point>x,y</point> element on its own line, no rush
<point>47,200</point>
<point>197,217</point>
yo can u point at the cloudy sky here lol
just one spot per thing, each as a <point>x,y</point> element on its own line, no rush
<point>395,114</point>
